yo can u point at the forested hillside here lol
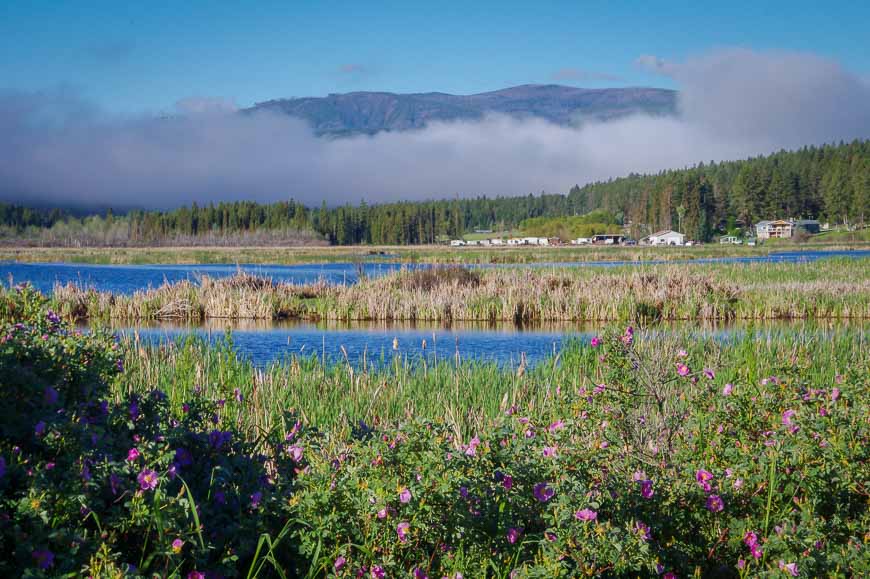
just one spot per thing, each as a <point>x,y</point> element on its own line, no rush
<point>830,183</point>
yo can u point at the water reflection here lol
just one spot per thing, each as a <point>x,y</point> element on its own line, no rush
<point>378,342</point>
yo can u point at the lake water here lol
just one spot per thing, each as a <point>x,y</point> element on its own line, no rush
<point>127,279</point>
<point>266,341</point>
<point>506,344</point>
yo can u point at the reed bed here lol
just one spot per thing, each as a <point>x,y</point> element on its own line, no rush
<point>829,289</point>
<point>838,288</point>
<point>339,393</point>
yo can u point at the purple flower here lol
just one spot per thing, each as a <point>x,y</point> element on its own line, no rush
<point>402,530</point>
<point>377,572</point>
<point>147,480</point>
<point>646,489</point>
<point>586,515</point>
<point>790,568</point>
<point>558,425</point>
<point>835,393</point>
<point>44,558</point>
<point>471,449</point>
<point>238,395</point>
<point>183,457</point>
<point>404,496</point>
<point>682,369</point>
<point>50,396</point>
<point>134,408</point>
<point>715,504</point>
<point>787,417</point>
<point>727,390</point>
<point>195,575</point>
<point>39,429</point>
<point>513,535</point>
<point>507,482</point>
<point>642,530</point>
<point>595,341</point>
<point>550,451</point>
<point>177,544</point>
<point>218,439</point>
<point>709,373</point>
<point>543,492</point>
<point>133,454</point>
<point>703,477</point>
<point>255,500</point>
<point>295,452</point>
<point>420,574</point>
<point>339,563</point>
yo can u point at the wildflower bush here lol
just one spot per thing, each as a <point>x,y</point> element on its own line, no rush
<point>645,465</point>
<point>121,487</point>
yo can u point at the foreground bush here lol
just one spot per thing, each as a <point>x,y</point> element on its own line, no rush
<point>648,466</point>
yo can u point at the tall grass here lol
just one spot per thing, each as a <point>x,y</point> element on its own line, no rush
<point>833,288</point>
<point>466,394</point>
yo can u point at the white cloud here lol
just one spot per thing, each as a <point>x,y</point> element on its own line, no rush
<point>733,104</point>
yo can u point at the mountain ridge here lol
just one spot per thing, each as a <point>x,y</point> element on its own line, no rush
<point>370,112</point>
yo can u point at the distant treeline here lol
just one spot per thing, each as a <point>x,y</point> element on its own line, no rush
<point>829,182</point>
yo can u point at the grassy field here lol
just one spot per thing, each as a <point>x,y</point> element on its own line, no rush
<point>421,254</point>
<point>831,288</point>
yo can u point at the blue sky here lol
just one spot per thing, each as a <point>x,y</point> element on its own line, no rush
<point>145,56</point>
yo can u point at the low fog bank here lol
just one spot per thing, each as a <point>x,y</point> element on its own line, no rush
<point>57,148</point>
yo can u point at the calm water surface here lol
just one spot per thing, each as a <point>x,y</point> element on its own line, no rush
<point>506,344</point>
<point>126,279</point>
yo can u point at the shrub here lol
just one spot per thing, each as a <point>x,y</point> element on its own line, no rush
<point>646,464</point>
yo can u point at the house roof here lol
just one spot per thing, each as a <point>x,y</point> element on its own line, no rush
<point>666,232</point>
<point>774,222</point>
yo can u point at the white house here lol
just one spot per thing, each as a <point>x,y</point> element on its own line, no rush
<point>726,239</point>
<point>496,241</point>
<point>608,239</point>
<point>667,237</point>
<point>782,228</point>
<point>456,243</point>
<point>581,241</point>
<point>534,241</point>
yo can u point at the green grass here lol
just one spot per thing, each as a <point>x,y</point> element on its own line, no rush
<point>468,394</point>
<point>422,254</point>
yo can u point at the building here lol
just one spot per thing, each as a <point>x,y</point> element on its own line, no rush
<point>726,239</point>
<point>667,237</point>
<point>809,225</point>
<point>456,243</point>
<point>496,241</point>
<point>778,229</point>
<point>581,241</point>
<point>608,239</point>
<point>784,229</point>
